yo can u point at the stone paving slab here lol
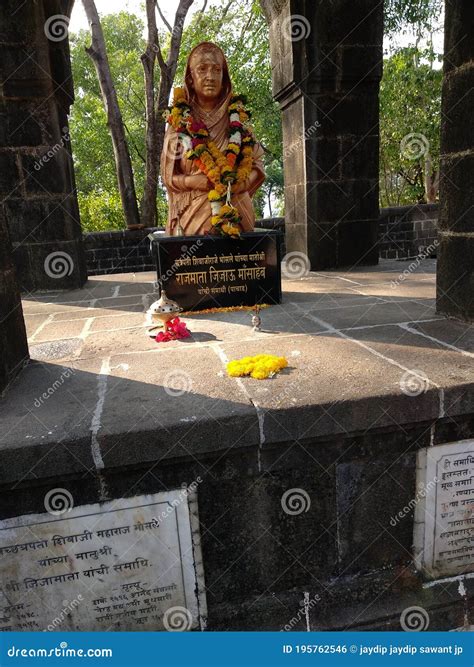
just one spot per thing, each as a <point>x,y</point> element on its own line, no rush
<point>45,421</point>
<point>385,267</point>
<point>332,385</point>
<point>238,326</point>
<point>305,290</point>
<point>420,289</point>
<point>373,314</point>
<point>119,320</point>
<point>56,350</point>
<point>105,343</point>
<point>49,331</point>
<point>429,364</point>
<point>32,323</point>
<point>357,347</point>
<point>173,404</point>
<point>37,307</point>
<point>456,334</point>
<point>121,302</point>
<point>97,312</point>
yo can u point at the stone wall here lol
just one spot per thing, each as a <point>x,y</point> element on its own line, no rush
<point>127,251</point>
<point>124,251</point>
<point>326,69</point>
<point>13,344</point>
<point>37,184</point>
<point>345,551</point>
<point>404,232</point>
<point>455,282</point>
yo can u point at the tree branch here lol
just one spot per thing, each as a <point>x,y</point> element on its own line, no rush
<point>159,55</point>
<point>226,10</point>
<point>163,17</point>
<point>123,164</point>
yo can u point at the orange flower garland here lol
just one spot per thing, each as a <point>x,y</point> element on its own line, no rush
<point>225,309</point>
<point>224,170</point>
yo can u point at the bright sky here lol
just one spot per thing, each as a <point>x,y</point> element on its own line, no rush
<point>168,7</point>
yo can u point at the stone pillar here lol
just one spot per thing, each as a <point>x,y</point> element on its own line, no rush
<point>327,65</point>
<point>455,274</point>
<point>37,189</point>
<point>13,344</point>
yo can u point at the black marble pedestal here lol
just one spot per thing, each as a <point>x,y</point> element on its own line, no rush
<point>201,272</point>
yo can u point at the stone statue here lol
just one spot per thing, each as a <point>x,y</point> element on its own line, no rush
<point>211,164</point>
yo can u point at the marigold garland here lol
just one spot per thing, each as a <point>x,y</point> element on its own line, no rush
<point>259,367</point>
<point>223,169</point>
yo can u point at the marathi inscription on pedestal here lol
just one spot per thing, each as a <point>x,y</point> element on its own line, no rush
<point>128,564</point>
<point>444,522</point>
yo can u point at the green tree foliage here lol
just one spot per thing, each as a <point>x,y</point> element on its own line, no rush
<point>419,15</point>
<point>101,210</point>
<point>410,112</point>
<point>96,181</point>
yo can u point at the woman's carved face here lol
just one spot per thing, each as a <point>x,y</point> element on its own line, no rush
<point>207,73</point>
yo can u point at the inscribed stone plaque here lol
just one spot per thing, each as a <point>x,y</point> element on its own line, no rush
<point>201,272</point>
<point>127,564</point>
<point>444,521</point>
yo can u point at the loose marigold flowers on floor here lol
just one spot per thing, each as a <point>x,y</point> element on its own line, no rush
<point>259,367</point>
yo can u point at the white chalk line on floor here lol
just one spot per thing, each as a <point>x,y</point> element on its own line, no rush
<point>407,327</point>
<point>96,424</point>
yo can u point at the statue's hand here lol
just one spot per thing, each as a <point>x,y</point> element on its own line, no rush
<point>197,182</point>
